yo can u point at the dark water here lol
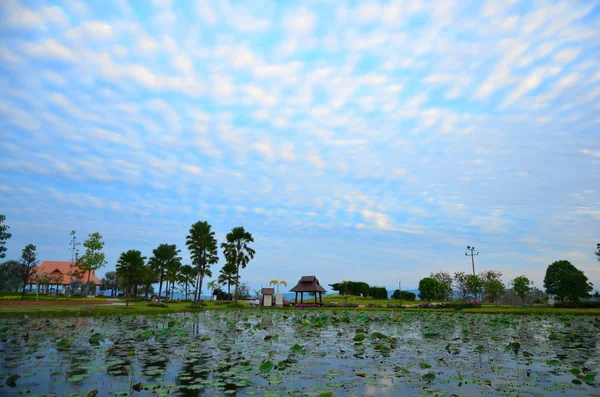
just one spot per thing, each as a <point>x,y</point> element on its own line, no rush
<point>302,353</point>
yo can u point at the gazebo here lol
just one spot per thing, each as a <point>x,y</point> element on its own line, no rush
<point>308,284</point>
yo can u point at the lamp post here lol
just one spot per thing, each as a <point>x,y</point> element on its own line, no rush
<point>472,255</point>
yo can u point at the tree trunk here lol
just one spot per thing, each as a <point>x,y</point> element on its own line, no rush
<point>229,289</point>
<point>200,286</point>
<point>196,288</point>
<point>237,283</point>
<point>23,294</point>
<point>186,289</point>
<point>160,283</point>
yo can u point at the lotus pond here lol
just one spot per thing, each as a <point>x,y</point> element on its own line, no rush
<point>301,353</point>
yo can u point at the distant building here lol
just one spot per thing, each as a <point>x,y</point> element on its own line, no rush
<point>59,275</point>
<point>267,294</point>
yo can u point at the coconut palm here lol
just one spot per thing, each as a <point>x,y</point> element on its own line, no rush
<point>171,276</point>
<point>148,276</point>
<point>187,277</point>
<point>203,249</point>
<point>162,257</point>
<point>212,286</point>
<point>129,269</point>
<point>238,252</point>
<point>277,283</point>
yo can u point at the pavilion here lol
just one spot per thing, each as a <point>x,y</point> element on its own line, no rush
<point>309,284</point>
<point>59,274</point>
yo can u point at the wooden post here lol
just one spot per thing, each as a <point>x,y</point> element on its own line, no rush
<point>320,298</point>
<point>301,297</point>
<point>315,297</point>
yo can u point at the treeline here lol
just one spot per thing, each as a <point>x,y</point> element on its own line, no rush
<point>360,288</point>
<point>136,273</point>
<point>562,280</point>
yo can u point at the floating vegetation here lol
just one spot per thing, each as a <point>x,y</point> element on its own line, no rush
<point>318,353</point>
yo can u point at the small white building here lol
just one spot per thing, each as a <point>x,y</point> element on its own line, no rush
<point>267,294</point>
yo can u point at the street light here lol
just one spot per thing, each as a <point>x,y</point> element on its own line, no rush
<point>472,255</point>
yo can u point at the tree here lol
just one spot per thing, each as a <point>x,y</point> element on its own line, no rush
<point>129,269</point>
<point>444,292</point>
<point>474,285</point>
<point>404,295</point>
<point>356,288</point>
<point>212,286</point>
<point>237,250</point>
<point>491,283</point>
<point>93,259</point>
<point>28,265</point>
<point>187,277</point>
<point>428,288</point>
<point>521,286</point>
<point>4,235</point>
<point>110,282</point>
<point>148,276</point>
<point>227,276</point>
<point>172,275</point>
<point>598,251</point>
<point>494,289</point>
<point>9,275</point>
<point>460,284</point>
<point>73,247</point>
<point>163,256</point>
<point>566,282</point>
<point>278,283</point>
<point>202,244</point>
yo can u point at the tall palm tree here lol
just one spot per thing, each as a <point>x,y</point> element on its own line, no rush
<point>187,276</point>
<point>238,252</point>
<point>129,269</point>
<point>203,249</point>
<point>227,275</point>
<point>163,256</point>
<point>148,276</point>
<point>212,286</point>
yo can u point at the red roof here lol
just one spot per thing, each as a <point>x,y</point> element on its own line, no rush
<point>61,268</point>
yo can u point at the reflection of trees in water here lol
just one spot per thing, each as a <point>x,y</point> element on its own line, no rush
<point>195,369</point>
<point>577,342</point>
<point>79,361</point>
<point>154,359</point>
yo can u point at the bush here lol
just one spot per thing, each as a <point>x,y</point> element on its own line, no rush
<point>389,305</point>
<point>197,305</point>
<point>343,305</point>
<point>404,295</point>
<point>464,305</point>
<point>378,293</point>
<point>581,305</point>
<point>221,303</point>
<point>157,304</point>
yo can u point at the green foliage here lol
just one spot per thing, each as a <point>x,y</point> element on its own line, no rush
<point>598,252</point>
<point>4,235</point>
<point>444,288</point>
<point>202,244</point>
<point>164,259</point>
<point>565,281</point>
<point>9,275</point>
<point>460,284</point>
<point>109,282</point>
<point>28,263</point>
<point>474,285</point>
<point>130,268</point>
<point>158,304</point>
<point>521,286</point>
<point>427,289</point>
<point>237,251</point>
<point>378,293</point>
<point>355,288</point>
<point>93,258</point>
<point>404,295</point>
<point>492,285</point>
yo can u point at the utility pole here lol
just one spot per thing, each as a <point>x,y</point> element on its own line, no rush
<point>472,255</point>
<point>400,285</point>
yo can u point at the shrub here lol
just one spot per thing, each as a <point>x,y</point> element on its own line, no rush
<point>378,293</point>
<point>464,305</point>
<point>307,305</point>
<point>581,305</point>
<point>404,295</point>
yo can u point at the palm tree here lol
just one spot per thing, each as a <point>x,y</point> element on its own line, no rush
<point>148,276</point>
<point>162,257</point>
<point>129,268</point>
<point>187,276</point>
<point>172,275</point>
<point>238,252</point>
<point>228,276</point>
<point>212,286</point>
<point>203,249</point>
<point>278,283</point>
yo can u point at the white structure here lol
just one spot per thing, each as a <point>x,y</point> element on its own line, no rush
<point>267,294</point>
<point>279,300</point>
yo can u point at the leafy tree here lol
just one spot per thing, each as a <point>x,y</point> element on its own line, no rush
<point>444,292</point>
<point>428,288</point>
<point>129,269</point>
<point>28,265</point>
<point>521,286</point>
<point>355,288</point>
<point>228,276</point>
<point>110,282</point>
<point>237,250</point>
<point>494,289</point>
<point>404,295</point>
<point>75,287</point>
<point>4,235</point>
<point>73,247</point>
<point>378,292</point>
<point>172,275</point>
<point>242,292</point>
<point>566,282</point>
<point>212,286</point>
<point>598,251</point>
<point>9,275</point>
<point>491,282</point>
<point>94,258</point>
<point>187,277</point>
<point>202,244</point>
<point>163,256</point>
<point>460,284</point>
<point>474,285</point>
<point>277,283</point>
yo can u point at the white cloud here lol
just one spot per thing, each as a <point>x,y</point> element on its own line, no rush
<point>316,161</point>
<point>567,55</point>
<point>54,78</point>
<point>265,149</point>
<point>49,48</point>
<point>594,153</point>
<point>256,94</point>
<point>300,21</point>
<point>192,169</point>
<point>531,82</point>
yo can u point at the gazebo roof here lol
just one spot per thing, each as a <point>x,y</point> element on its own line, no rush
<point>308,284</point>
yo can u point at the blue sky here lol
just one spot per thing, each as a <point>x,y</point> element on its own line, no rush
<point>363,140</point>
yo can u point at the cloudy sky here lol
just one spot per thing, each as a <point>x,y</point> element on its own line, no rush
<point>362,140</point>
